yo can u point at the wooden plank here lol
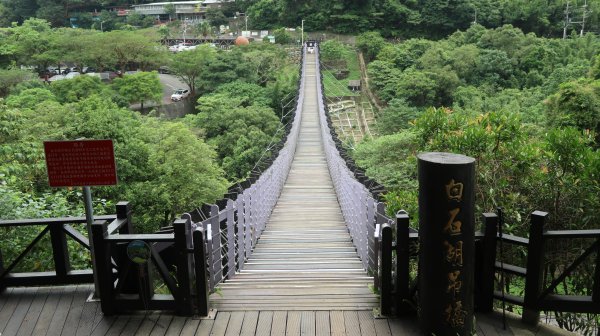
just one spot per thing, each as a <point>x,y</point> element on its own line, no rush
<point>338,324</point>
<point>74,316</point>
<point>62,311</point>
<point>103,325</point>
<point>88,315</point>
<point>43,322</point>
<point>204,328</point>
<point>176,326</point>
<point>308,323</point>
<point>7,292</point>
<point>34,312</point>
<point>323,327</point>
<point>148,323</point>
<point>382,327</point>
<point>162,324</point>
<point>293,323</point>
<point>405,326</point>
<point>367,327</point>
<point>190,327</point>
<point>20,311</point>
<point>234,327</point>
<point>351,323</point>
<point>118,325</point>
<point>250,322</point>
<point>133,324</point>
<point>220,326</point>
<point>9,307</point>
<point>279,323</point>
<point>265,320</point>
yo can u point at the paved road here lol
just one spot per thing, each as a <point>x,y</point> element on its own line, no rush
<point>170,83</point>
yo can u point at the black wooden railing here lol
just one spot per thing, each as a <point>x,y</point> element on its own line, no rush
<point>397,292</point>
<point>59,229</point>
<point>134,285</point>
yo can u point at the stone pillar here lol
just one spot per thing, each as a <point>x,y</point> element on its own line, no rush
<point>447,248</point>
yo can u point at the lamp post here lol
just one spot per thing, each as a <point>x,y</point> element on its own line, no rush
<point>302,36</point>
<point>101,28</point>
<point>246,19</point>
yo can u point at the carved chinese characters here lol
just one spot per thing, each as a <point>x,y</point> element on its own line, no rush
<point>446,243</point>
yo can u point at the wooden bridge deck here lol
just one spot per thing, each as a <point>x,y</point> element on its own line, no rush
<point>305,259</point>
<point>64,311</point>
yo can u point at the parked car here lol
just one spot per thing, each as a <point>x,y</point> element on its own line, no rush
<point>72,74</point>
<point>181,47</point>
<point>179,94</point>
<point>164,70</point>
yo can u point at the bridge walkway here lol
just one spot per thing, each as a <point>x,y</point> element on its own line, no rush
<point>305,258</point>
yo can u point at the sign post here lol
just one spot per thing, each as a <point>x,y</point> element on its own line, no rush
<point>447,248</point>
<point>82,163</point>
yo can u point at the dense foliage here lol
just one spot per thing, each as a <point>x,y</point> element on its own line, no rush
<point>164,167</point>
<point>401,18</point>
<point>526,108</point>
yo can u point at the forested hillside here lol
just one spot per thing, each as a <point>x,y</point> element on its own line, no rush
<point>527,108</point>
<point>393,18</point>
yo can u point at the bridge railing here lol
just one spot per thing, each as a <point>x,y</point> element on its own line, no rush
<point>230,229</point>
<point>359,197</point>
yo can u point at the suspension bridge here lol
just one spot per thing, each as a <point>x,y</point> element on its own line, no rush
<point>294,250</point>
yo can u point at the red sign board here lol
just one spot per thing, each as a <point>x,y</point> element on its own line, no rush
<point>80,163</point>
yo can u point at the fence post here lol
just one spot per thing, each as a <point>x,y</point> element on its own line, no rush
<point>379,220</point>
<point>124,212</point>
<point>402,262</point>
<point>103,266</point>
<point>485,301</point>
<point>386,269</point>
<point>595,288</point>
<point>60,251</point>
<point>201,275</point>
<point>2,285</point>
<point>182,229</point>
<point>446,243</point>
<point>535,268</point>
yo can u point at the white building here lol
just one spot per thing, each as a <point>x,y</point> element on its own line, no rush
<point>184,10</point>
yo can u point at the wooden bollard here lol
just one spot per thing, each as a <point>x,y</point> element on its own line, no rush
<point>446,238</point>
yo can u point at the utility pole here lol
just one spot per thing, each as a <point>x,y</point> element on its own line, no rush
<point>567,21</point>
<point>584,16</point>
<point>302,36</point>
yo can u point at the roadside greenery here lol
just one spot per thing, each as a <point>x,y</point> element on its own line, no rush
<point>164,167</point>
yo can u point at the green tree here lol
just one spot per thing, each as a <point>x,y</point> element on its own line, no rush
<point>576,103</point>
<point>140,87</point>
<point>216,17</point>
<point>370,44</point>
<point>282,36</point>
<point>171,11</point>
<point>12,77</point>
<point>204,28</point>
<point>180,182</point>
<point>332,50</point>
<point>73,90</point>
<point>30,98</point>
<point>189,65</point>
